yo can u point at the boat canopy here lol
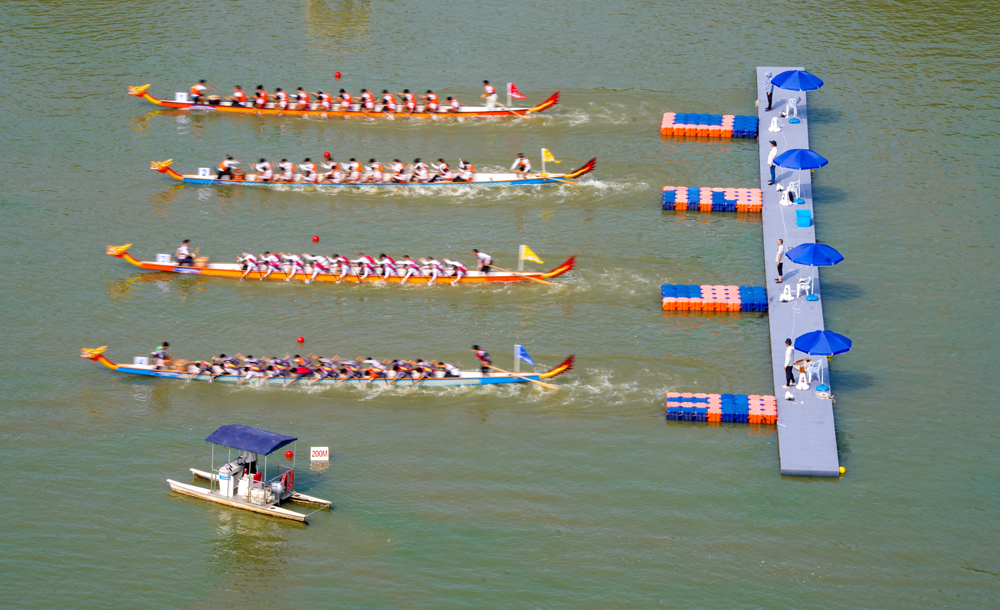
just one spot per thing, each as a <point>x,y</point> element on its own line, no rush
<point>252,440</point>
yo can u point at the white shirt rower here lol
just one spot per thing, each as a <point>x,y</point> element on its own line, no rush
<point>295,265</point>
<point>411,267</point>
<point>250,261</point>
<point>420,171</point>
<point>521,166</point>
<point>465,171</point>
<point>311,177</point>
<point>287,171</point>
<point>366,265</point>
<point>265,173</point>
<point>490,94</point>
<point>458,268</point>
<point>399,171</point>
<point>483,260</point>
<point>273,262</point>
<point>320,264</point>
<point>433,266</point>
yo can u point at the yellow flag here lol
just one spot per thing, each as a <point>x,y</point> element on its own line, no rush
<point>529,255</point>
<point>547,156</point>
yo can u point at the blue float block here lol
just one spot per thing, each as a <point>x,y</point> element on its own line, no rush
<point>803,218</point>
<point>694,195</point>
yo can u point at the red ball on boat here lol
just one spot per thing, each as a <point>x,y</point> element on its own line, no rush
<point>315,237</point>
<point>288,454</point>
<point>336,74</point>
<point>301,340</point>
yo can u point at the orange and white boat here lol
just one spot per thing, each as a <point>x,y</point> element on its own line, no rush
<point>237,270</point>
<point>182,101</point>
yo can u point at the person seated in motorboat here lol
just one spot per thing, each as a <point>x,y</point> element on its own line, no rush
<point>160,357</point>
<point>521,166</point>
<point>457,268</point>
<point>399,174</point>
<point>287,171</point>
<point>198,92</point>
<point>421,173</point>
<point>238,98</point>
<point>226,167</point>
<point>367,101</point>
<point>409,267</point>
<point>265,173</point>
<point>450,370</point>
<point>184,256</point>
<point>443,172</point>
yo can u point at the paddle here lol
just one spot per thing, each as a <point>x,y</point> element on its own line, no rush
<point>507,108</point>
<point>562,180</point>
<point>535,381</point>
<point>524,275</point>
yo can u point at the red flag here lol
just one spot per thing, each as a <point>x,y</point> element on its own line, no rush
<point>514,93</point>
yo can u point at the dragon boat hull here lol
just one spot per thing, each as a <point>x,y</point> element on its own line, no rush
<point>233,271</point>
<point>466,378</point>
<point>316,111</point>
<point>480,179</point>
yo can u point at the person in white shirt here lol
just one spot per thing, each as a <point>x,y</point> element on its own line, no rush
<point>458,268</point>
<point>490,95</point>
<point>789,363</point>
<point>226,167</point>
<point>273,263</point>
<point>265,173</point>
<point>433,267</point>
<point>421,173</point>
<point>411,267</point>
<point>295,265</point>
<point>770,159</point>
<point>250,263</point>
<point>287,171</point>
<point>465,171</point>
<point>483,260</point>
<point>521,167</point>
<point>319,265</point>
<point>184,254</point>
<point>781,253</point>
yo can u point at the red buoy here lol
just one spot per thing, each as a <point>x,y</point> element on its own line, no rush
<point>336,74</point>
<point>288,454</point>
<point>315,238</point>
<point>326,155</point>
<point>301,340</point>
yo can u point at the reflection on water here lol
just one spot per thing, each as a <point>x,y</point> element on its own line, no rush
<point>167,283</point>
<point>247,554</point>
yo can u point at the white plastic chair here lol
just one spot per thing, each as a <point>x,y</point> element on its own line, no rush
<point>794,186</point>
<point>805,285</point>
<point>814,370</point>
<point>792,107</point>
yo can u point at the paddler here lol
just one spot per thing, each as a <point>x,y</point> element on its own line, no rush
<point>484,359</point>
<point>443,172</point>
<point>239,98</point>
<point>483,261</point>
<point>287,171</point>
<point>457,268</point>
<point>345,100</point>
<point>366,265</point>
<point>250,263</point>
<point>521,166</point>
<point>450,370</point>
<point>388,101</point>
<point>399,174</point>
<point>453,104</point>
<point>433,267</point>
<point>374,172</point>
<point>325,100</point>
<point>160,356</point>
<point>301,368</point>
<point>319,265</point>
<point>226,167</point>
<point>279,368</point>
<point>375,370</point>
<point>253,367</point>
<point>367,101</point>
<point>294,265</point>
<point>342,263</point>
<point>265,173</point>
<point>433,103</point>
<point>353,169</point>
<point>229,365</point>
<point>273,262</point>
<point>307,166</point>
<point>388,265</point>
<point>302,99</point>
<point>198,92</point>
<point>409,101</point>
<point>184,257</point>
<point>260,97</point>
<point>466,171</point>
<point>420,172</point>
<point>490,95</point>
<point>411,266</point>
<point>282,98</point>
<point>424,369</point>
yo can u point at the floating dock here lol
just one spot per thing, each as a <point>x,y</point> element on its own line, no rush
<point>735,408</point>
<point>707,199</point>
<point>709,125</point>
<point>807,439</point>
<point>684,297</point>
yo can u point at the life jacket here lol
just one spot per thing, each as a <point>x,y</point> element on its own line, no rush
<point>432,101</point>
<point>367,99</point>
<point>389,100</point>
<point>261,97</point>
<point>345,99</point>
<point>489,89</point>
<point>325,99</point>
<point>376,167</point>
<point>197,89</point>
<point>309,167</point>
<point>223,166</point>
<point>455,104</point>
<point>302,97</point>
<point>239,96</point>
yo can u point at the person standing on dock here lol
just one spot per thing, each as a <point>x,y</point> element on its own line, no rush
<point>789,363</point>
<point>781,252</point>
<point>768,89</point>
<point>770,160</point>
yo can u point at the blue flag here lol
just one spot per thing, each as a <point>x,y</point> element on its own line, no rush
<point>523,354</point>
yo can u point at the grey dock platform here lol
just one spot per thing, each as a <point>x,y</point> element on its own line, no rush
<point>807,439</point>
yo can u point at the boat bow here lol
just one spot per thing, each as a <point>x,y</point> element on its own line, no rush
<point>122,252</point>
<point>164,168</point>
<point>97,355</point>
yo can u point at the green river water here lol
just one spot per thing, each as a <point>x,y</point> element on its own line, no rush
<point>508,497</point>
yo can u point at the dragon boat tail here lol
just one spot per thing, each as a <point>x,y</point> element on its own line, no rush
<point>180,371</point>
<point>202,267</point>
<point>206,176</point>
<point>182,102</point>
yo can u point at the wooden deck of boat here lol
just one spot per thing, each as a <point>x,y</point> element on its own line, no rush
<point>807,439</point>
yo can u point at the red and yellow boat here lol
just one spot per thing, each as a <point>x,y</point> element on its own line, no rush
<point>182,103</point>
<point>202,267</point>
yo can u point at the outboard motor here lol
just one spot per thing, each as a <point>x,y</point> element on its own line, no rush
<point>229,474</point>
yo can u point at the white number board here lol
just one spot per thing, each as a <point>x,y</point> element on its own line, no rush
<point>319,454</point>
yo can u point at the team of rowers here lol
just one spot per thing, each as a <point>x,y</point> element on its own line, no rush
<point>364,266</point>
<point>331,171</point>
<point>344,101</point>
<point>316,368</point>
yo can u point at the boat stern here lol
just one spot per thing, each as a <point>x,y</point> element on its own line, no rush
<point>552,101</point>
<point>560,369</point>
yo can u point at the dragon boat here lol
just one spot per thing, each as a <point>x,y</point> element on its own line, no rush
<point>205,176</point>
<point>181,372</point>
<point>165,263</point>
<point>183,102</point>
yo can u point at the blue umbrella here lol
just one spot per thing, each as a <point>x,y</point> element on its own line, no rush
<point>797,80</point>
<point>814,255</point>
<point>822,343</point>
<point>800,158</point>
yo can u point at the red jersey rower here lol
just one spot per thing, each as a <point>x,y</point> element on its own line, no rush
<point>239,98</point>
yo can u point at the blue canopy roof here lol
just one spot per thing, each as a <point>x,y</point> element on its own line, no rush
<point>800,158</point>
<point>823,343</point>
<point>249,439</point>
<point>797,80</point>
<point>814,255</point>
